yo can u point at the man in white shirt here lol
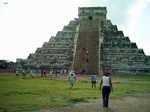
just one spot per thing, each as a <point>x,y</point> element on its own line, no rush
<point>106,85</point>
<point>72,78</point>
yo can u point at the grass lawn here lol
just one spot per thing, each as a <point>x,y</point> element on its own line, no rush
<point>38,93</point>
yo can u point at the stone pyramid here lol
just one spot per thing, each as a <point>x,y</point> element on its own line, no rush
<point>90,44</point>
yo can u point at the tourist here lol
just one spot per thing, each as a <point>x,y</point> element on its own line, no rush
<point>72,79</point>
<point>106,86</point>
<point>56,73</point>
<point>32,73</point>
<point>87,52</point>
<point>24,74</point>
<point>42,73</point>
<point>17,74</point>
<point>93,80</point>
<point>51,73</point>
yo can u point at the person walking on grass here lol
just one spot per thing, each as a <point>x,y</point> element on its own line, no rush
<point>106,87</point>
<point>17,74</point>
<point>93,80</point>
<point>23,74</point>
<point>32,73</point>
<point>72,79</point>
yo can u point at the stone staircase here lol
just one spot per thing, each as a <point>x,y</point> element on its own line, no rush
<point>87,57</point>
<point>90,44</point>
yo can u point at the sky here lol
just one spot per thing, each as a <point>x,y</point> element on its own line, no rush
<point>26,24</point>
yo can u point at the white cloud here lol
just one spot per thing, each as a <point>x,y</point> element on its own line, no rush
<point>27,24</point>
<point>135,14</point>
<point>135,28</point>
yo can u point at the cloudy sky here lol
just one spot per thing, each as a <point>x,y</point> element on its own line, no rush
<point>26,24</point>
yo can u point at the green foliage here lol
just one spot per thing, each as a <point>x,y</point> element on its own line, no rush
<point>3,64</point>
<point>38,93</point>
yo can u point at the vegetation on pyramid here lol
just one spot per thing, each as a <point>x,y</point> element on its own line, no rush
<point>90,44</point>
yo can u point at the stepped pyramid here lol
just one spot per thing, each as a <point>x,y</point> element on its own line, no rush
<point>90,44</point>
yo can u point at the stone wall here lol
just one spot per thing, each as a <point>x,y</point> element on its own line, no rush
<point>58,52</point>
<point>119,55</point>
<point>108,48</point>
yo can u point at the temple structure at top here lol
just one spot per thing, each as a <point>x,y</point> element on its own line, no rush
<point>90,44</point>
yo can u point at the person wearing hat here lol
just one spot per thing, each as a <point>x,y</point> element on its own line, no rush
<point>72,79</point>
<point>106,87</point>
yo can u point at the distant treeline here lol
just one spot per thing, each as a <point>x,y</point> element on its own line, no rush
<point>6,66</point>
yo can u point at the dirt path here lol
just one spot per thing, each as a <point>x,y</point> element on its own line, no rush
<point>136,103</point>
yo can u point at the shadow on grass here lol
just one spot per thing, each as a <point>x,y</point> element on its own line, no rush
<point>76,100</point>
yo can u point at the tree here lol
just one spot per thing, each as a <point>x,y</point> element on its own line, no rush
<point>3,64</point>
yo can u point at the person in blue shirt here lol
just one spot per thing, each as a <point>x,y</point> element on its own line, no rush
<point>93,81</point>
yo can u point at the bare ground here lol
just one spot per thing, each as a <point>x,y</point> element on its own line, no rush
<point>135,103</point>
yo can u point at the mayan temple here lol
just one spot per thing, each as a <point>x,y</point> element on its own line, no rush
<point>90,44</point>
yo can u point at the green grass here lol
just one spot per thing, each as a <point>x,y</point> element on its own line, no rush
<point>135,84</point>
<point>38,93</point>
